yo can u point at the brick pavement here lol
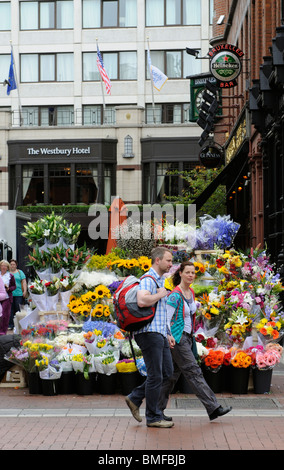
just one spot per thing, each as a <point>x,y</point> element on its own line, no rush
<point>103,423</point>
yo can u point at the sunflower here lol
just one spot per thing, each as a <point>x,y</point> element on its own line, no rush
<point>106,311</point>
<point>102,291</point>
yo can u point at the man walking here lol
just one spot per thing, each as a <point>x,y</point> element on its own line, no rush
<point>153,342</point>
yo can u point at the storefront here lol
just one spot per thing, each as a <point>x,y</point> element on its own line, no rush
<point>61,172</point>
<point>160,159</point>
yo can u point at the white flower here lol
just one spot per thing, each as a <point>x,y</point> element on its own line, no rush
<point>241,319</point>
<point>46,233</point>
<point>93,278</point>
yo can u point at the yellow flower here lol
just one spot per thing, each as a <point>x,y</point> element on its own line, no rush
<point>169,283</point>
<point>214,310</point>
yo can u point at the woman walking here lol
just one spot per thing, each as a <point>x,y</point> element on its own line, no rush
<point>20,292</point>
<point>181,309</point>
<point>10,286</point>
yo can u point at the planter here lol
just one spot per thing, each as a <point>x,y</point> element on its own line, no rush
<point>66,383</point>
<point>226,378</point>
<point>34,383</point>
<point>261,380</point>
<point>85,386</point>
<point>213,379</point>
<point>128,381</point>
<point>106,384</point>
<point>239,379</point>
<point>184,386</point>
<point>50,387</point>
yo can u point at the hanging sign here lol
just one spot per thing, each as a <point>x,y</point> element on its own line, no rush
<point>225,64</point>
<point>211,156</point>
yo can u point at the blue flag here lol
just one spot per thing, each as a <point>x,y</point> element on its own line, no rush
<point>12,85</point>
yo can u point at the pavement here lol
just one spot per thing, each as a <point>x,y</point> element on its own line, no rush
<point>104,424</point>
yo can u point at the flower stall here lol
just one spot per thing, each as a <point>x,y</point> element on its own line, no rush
<point>74,345</point>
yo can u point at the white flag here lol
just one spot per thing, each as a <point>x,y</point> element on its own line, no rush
<point>158,77</point>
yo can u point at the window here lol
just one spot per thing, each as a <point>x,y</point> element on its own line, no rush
<point>86,184</point>
<point>5,16</point>
<point>173,12</point>
<point>118,65</point>
<point>47,67</point>
<point>175,64</point>
<point>59,184</point>
<point>167,184</point>
<point>46,15</point>
<point>128,147</point>
<point>94,115</point>
<point>109,13</point>
<point>165,113</point>
<point>33,184</point>
<point>47,116</point>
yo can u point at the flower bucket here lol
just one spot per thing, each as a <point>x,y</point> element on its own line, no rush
<point>226,378</point>
<point>262,380</point>
<point>66,383</point>
<point>106,384</point>
<point>34,383</point>
<point>213,379</point>
<point>85,386</point>
<point>50,387</point>
<point>128,381</point>
<point>239,379</point>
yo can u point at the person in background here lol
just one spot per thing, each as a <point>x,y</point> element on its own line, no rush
<point>10,286</point>
<point>20,293</point>
<point>181,310</point>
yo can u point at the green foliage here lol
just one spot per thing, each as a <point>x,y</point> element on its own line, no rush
<point>197,181</point>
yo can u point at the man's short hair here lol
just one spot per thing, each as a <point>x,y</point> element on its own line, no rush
<point>158,252</point>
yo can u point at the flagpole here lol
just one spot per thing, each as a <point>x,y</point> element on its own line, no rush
<point>152,86</point>
<point>102,88</point>
<point>16,78</point>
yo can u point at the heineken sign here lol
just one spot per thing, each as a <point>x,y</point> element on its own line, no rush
<point>225,64</point>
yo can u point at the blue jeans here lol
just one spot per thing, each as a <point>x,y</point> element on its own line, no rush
<point>158,360</point>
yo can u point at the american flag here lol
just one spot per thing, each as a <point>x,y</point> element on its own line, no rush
<point>102,71</point>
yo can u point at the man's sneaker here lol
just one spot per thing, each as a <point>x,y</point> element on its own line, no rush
<point>134,409</point>
<point>161,424</point>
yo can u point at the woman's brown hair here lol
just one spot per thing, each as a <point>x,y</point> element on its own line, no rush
<point>176,276</point>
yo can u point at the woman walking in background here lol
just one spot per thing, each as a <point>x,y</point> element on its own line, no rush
<point>181,310</point>
<point>19,293</point>
<point>10,286</point>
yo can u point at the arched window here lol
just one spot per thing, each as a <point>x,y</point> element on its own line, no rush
<point>128,147</point>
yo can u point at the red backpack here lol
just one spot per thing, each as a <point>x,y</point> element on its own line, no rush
<point>129,316</point>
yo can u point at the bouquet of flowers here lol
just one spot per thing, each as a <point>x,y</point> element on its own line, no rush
<point>83,363</point>
<point>37,287</point>
<point>270,329</point>
<point>52,287</point>
<point>27,354</point>
<point>125,267</point>
<point>215,232</point>
<point>126,365</point>
<point>241,359</point>
<point>214,359</point>
<point>94,304</point>
<point>239,325</point>
<point>70,232</point>
<point>268,356</point>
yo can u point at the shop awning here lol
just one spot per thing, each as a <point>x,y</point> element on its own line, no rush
<point>234,167</point>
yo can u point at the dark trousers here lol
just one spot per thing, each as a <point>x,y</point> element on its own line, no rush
<point>157,356</point>
<point>185,363</point>
<point>4,320</point>
<point>17,301</point>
